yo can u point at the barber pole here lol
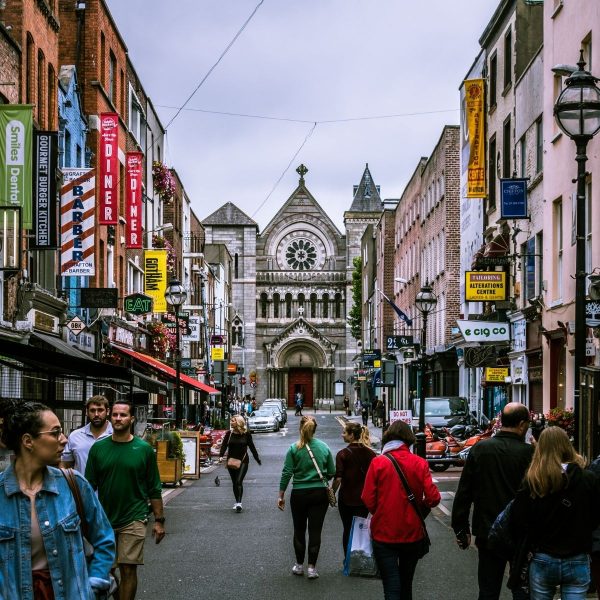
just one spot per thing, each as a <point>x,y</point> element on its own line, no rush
<point>134,200</point>
<point>109,169</point>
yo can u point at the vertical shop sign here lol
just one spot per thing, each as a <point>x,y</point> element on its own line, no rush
<point>45,148</point>
<point>476,127</point>
<point>109,169</point>
<point>16,132</point>
<point>77,201</point>
<point>155,278</point>
<point>134,200</point>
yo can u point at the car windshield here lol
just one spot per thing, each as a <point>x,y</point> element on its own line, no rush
<point>263,413</point>
<point>444,407</point>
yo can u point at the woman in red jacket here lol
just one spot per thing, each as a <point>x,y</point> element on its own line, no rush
<point>396,528</point>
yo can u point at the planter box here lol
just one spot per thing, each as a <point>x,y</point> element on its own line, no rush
<point>169,469</point>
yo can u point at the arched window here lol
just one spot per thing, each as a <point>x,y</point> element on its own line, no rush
<point>325,306</point>
<point>288,306</point>
<point>313,306</point>
<point>276,306</point>
<point>263,306</point>
<point>300,300</point>
<point>338,306</point>
<point>236,266</point>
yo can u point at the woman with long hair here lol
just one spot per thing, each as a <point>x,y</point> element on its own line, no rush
<point>308,499</point>
<point>351,466</point>
<point>558,507</point>
<point>396,527</point>
<point>237,442</point>
<point>42,547</point>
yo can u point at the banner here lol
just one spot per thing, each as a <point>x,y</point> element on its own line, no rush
<point>109,169</point>
<point>45,229</point>
<point>474,94</point>
<point>133,200</point>
<point>77,222</point>
<point>155,278</point>
<point>16,133</point>
<point>485,286</point>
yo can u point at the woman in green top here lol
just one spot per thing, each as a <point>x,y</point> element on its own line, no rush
<point>309,498</point>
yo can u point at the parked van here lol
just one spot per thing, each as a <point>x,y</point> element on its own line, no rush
<point>439,410</point>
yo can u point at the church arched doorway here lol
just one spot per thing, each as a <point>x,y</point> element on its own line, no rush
<point>300,381</point>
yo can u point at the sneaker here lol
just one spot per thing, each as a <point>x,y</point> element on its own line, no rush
<point>298,569</point>
<point>312,573</point>
<point>238,507</point>
<point>235,507</point>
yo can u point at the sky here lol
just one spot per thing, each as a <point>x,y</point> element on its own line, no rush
<point>309,61</point>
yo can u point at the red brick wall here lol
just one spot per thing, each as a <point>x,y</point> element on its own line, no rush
<point>10,65</point>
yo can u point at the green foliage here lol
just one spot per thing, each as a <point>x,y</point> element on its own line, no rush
<point>175,445</point>
<point>355,314</point>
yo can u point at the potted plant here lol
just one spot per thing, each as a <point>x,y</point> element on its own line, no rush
<point>163,181</point>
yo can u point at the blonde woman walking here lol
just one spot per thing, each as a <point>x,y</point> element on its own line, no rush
<point>236,443</point>
<point>308,499</point>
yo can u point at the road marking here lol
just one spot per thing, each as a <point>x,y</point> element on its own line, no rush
<point>444,509</point>
<point>447,495</point>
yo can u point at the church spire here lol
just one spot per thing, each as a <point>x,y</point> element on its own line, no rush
<point>366,194</point>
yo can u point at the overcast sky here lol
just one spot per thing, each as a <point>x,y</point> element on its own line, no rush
<point>313,60</point>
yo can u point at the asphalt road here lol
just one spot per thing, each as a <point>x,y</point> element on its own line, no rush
<point>212,552</point>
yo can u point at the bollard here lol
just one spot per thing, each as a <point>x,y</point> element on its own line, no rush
<point>420,444</point>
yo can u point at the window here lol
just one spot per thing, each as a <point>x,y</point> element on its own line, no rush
<point>263,306</point>
<point>137,121</point>
<point>102,59</point>
<point>30,70</point>
<point>78,156</point>
<point>236,260</point>
<point>135,278</point>
<point>539,261</point>
<point>507,59</point>
<point>313,306</point>
<point>539,145</point>
<point>326,306</point>
<point>492,175</point>
<point>523,156</point>
<point>51,98</point>
<point>586,46</point>
<point>288,306</point>
<point>506,146</point>
<point>558,248</point>
<point>67,155</point>
<point>301,301</point>
<point>493,79</point>
<point>112,78</point>
<point>529,269</point>
<point>276,306</point>
<point>41,100</point>
<point>338,306</point>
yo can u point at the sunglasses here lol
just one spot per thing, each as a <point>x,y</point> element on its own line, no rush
<point>56,432</point>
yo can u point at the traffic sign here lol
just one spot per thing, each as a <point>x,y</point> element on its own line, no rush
<point>76,325</point>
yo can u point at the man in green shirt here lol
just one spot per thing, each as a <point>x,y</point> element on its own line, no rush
<point>123,469</point>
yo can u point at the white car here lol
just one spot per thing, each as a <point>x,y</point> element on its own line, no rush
<point>275,404</point>
<point>264,419</point>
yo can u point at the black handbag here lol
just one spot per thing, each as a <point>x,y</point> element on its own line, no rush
<point>423,544</point>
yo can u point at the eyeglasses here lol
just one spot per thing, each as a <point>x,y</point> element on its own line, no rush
<point>56,432</point>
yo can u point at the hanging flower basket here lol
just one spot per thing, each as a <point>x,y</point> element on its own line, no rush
<point>158,241</point>
<point>163,180</point>
<point>562,417</point>
<point>162,339</point>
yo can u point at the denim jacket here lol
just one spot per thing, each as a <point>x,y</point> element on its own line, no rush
<point>73,577</point>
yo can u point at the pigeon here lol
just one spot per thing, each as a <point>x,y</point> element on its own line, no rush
<point>217,481</point>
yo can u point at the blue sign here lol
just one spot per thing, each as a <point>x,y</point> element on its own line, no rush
<point>513,199</point>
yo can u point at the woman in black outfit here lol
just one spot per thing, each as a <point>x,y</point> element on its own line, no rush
<point>238,441</point>
<point>351,466</point>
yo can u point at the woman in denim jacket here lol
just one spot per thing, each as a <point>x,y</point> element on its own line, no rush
<point>41,545</point>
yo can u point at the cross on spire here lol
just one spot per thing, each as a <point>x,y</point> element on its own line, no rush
<point>302,170</point>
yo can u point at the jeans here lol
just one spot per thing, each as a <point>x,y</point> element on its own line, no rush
<point>309,507</point>
<point>547,572</point>
<point>237,478</point>
<point>347,512</point>
<point>490,574</point>
<point>397,564</point>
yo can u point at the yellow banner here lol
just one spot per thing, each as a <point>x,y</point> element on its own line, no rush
<point>155,278</point>
<point>217,353</point>
<point>475,111</point>
<point>485,286</point>
<point>496,374</point>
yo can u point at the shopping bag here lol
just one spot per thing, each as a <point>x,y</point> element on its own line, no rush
<point>360,561</point>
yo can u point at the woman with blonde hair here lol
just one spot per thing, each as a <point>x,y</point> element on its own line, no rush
<point>558,507</point>
<point>308,461</point>
<point>351,466</point>
<point>237,442</point>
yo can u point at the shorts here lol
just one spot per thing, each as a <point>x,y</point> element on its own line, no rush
<point>130,543</point>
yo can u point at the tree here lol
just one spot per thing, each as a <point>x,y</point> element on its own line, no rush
<point>355,314</point>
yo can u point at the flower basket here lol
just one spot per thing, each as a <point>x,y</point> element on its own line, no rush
<point>163,181</point>
<point>162,340</point>
<point>563,418</point>
<point>158,241</point>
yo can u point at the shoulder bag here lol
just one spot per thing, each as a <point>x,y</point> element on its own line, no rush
<point>424,544</point>
<point>330,493</point>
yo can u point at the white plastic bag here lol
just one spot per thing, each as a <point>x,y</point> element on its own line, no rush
<point>360,561</point>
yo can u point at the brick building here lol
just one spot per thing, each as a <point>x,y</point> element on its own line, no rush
<point>10,65</point>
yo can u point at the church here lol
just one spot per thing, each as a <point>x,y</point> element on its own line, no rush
<point>291,292</point>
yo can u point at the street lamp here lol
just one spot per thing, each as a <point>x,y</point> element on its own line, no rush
<point>577,113</point>
<point>176,296</point>
<point>425,302</point>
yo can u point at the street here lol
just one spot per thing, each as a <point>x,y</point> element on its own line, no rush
<point>211,551</point>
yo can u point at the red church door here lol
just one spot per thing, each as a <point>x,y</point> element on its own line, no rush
<point>300,380</point>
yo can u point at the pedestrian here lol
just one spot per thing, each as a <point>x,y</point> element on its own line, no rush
<point>490,479</point>
<point>237,442</point>
<point>298,412</point>
<point>308,500</point>
<point>43,557</point>
<point>595,553</point>
<point>81,440</point>
<point>123,469</point>
<point>351,466</point>
<point>347,406</point>
<point>357,408</point>
<point>558,507</point>
<point>396,527</point>
<point>365,414</point>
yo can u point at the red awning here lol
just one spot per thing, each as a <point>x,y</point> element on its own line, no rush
<point>499,246</point>
<point>164,369</point>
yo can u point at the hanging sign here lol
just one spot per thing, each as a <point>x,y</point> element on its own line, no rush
<point>217,353</point>
<point>45,150</point>
<point>193,329</point>
<point>77,199</point>
<point>484,331</point>
<point>395,342</point>
<point>137,304</point>
<point>109,169</point>
<point>485,286</point>
<point>155,278</point>
<point>496,374</point>
<point>474,94</point>
<point>133,236</point>
<point>76,325</point>
<point>513,199</point>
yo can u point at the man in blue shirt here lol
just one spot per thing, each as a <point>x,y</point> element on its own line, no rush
<point>81,440</point>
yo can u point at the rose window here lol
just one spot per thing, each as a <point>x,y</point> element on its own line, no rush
<point>301,255</point>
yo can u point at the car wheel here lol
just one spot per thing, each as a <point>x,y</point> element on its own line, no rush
<point>439,468</point>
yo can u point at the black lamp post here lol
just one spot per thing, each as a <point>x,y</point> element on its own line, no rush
<point>577,113</point>
<point>176,296</point>
<point>425,301</point>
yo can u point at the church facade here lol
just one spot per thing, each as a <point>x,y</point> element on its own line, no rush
<point>291,292</point>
